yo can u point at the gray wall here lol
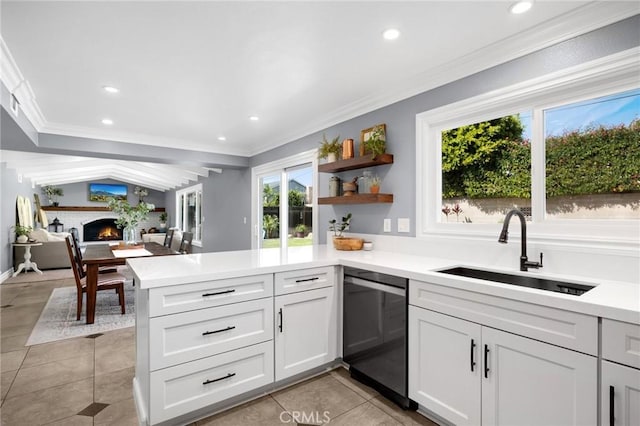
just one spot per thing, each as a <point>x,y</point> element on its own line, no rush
<point>11,188</point>
<point>399,178</point>
<point>227,203</point>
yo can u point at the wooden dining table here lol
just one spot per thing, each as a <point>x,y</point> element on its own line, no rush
<point>97,255</point>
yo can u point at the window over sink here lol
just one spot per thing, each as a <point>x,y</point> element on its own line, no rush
<point>564,149</point>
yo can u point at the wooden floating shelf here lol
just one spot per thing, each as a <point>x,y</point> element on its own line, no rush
<point>358,199</point>
<point>86,209</point>
<point>355,163</point>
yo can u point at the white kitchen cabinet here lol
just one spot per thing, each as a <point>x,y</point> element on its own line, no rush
<point>444,369</point>
<point>470,374</point>
<point>533,383</point>
<point>305,331</point>
<point>620,392</point>
<point>620,395</point>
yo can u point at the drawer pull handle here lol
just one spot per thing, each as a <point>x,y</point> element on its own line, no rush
<point>206,333</point>
<point>280,324</point>
<point>308,279</point>
<point>612,416</point>
<point>473,347</point>
<point>486,359</point>
<point>219,378</point>
<point>219,292</point>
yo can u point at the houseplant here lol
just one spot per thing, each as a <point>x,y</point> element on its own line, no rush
<point>376,142</point>
<point>129,217</point>
<point>301,230</point>
<point>341,242</point>
<point>22,233</point>
<point>330,150</point>
<point>163,220</point>
<point>375,184</point>
<point>52,193</point>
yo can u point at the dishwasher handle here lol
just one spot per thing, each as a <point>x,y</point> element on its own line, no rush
<point>375,286</point>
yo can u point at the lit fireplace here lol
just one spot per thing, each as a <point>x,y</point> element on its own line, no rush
<point>102,230</point>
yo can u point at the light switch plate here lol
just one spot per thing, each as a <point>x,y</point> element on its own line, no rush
<point>404,224</point>
<point>387,225</point>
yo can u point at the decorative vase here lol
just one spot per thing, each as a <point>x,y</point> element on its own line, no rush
<point>22,239</point>
<point>374,189</point>
<point>129,235</point>
<point>331,157</point>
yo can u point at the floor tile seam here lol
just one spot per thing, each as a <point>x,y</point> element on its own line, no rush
<point>10,385</point>
<point>43,364</point>
<point>49,388</point>
<point>349,410</point>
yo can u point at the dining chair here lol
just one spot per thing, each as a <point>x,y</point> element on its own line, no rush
<point>185,244</point>
<point>108,281</point>
<point>168,238</point>
<point>78,251</point>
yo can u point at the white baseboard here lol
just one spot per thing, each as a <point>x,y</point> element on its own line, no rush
<point>6,275</point>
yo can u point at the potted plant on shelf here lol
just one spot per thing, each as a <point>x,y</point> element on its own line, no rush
<point>375,184</point>
<point>22,233</point>
<point>341,242</point>
<point>163,220</point>
<point>329,150</point>
<point>376,143</point>
<point>52,193</point>
<point>301,230</point>
<point>129,217</point>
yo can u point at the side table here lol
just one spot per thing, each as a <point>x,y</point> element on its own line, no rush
<point>27,264</point>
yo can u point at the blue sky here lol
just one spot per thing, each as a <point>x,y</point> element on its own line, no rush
<point>621,108</point>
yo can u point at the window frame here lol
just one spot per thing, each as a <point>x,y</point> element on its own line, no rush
<point>602,77</point>
<point>280,167</point>
<point>181,213</point>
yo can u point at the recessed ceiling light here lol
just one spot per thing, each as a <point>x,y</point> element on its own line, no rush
<point>391,34</point>
<point>107,121</point>
<point>521,7</point>
<point>110,89</point>
<point>254,118</point>
<point>222,138</point>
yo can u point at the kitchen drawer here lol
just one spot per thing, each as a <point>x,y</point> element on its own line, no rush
<point>621,342</point>
<point>188,387</point>
<point>558,327</point>
<point>304,279</point>
<point>179,338</point>
<point>188,297</point>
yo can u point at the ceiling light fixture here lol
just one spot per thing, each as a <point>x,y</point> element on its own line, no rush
<point>254,118</point>
<point>107,121</point>
<point>110,89</point>
<point>391,34</point>
<point>222,138</point>
<point>521,7</point>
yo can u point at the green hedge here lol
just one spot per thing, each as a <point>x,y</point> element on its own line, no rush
<point>595,161</point>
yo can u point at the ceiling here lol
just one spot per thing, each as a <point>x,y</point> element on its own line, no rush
<point>191,72</point>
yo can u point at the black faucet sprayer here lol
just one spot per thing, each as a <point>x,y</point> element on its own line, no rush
<point>525,264</point>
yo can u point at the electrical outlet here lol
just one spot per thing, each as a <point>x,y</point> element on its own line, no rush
<point>404,224</point>
<point>387,225</point>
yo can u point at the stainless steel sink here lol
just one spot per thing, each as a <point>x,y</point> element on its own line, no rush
<point>520,280</point>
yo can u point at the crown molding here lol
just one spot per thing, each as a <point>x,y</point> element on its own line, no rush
<point>19,87</point>
<point>561,28</point>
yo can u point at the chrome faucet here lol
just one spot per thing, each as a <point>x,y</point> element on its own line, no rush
<point>525,264</point>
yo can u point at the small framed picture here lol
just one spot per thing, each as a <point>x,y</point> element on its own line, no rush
<point>366,134</point>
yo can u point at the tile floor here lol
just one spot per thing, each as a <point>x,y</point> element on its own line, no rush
<point>87,380</point>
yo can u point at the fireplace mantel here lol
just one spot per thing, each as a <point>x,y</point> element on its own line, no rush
<point>87,209</point>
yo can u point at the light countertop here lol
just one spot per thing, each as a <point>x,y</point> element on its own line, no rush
<point>610,299</point>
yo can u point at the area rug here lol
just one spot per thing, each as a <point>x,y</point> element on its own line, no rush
<point>58,318</point>
<point>33,277</point>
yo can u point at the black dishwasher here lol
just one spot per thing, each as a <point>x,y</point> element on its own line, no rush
<point>375,332</point>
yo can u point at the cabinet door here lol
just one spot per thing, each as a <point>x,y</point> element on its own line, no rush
<point>623,385</point>
<point>305,331</point>
<point>444,365</point>
<point>532,383</point>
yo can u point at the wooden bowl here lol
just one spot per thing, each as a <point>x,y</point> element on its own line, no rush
<point>347,244</point>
